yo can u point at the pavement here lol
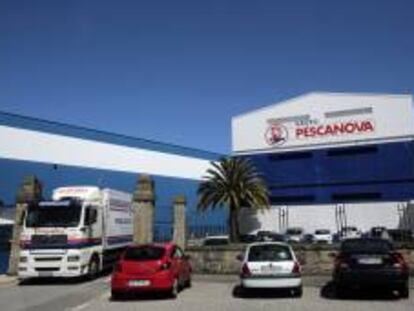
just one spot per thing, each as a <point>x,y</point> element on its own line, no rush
<point>209,292</point>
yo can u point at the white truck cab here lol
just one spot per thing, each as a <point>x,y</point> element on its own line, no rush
<point>80,232</point>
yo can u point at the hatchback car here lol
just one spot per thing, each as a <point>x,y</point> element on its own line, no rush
<point>294,235</point>
<point>370,263</point>
<point>323,236</point>
<point>270,265</point>
<point>151,268</point>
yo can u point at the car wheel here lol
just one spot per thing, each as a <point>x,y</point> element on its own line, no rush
<point>340,291</point>
<point>93,268</point>
<point>297,292</point>
<point>116,295</point>
<point>404,292</point>
<point>239,292</point>
<point>188,283</point>
<point>174,289</point>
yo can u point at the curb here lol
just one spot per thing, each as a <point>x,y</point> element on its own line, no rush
<point>6,279</point>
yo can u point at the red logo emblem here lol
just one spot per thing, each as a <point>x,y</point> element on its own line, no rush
<point>276,135</point>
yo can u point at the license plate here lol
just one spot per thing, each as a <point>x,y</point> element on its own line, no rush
<point>270,269</point>
<point>370,261</point>
<point>139,283</point>
<point>45,274</point>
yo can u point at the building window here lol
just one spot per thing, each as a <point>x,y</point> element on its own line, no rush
<point>284,199</point>
<point>290,156</point>
<point>356,196</point>
<point>352,151</point>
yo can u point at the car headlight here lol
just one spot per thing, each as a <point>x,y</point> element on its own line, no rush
<point>73,258</point>
<point>23,259</point>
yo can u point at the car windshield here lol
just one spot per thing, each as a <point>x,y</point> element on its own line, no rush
<point>53,214</point>
<point>366,246</point>
<point>144,253</point>
<point>322,231</point>
<point>270,252</point>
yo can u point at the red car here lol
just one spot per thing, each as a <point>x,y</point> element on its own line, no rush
<point>151,268</point>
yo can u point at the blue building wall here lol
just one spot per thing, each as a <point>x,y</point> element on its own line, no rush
<point>382,172</point>
<point>13,171</point>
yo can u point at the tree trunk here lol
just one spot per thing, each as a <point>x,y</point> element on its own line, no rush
<point>234,224</point>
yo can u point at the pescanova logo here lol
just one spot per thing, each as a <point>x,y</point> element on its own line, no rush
<point>276,134</point>
<point>335,129</point>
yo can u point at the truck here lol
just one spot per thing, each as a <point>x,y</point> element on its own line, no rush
<point>79,233</point>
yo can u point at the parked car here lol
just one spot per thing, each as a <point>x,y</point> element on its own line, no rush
<point>267,236</point>
<point>401,235</point>
<point>294,234</point>
<point>151,268</point>
<point>370,263</point>
<point>216,240</point>
<point>379,232</point>
<point>322,236</point>
<point>349,233</point>
<point>270,265</point>
<point>308,238</point>
<point>248,238</point>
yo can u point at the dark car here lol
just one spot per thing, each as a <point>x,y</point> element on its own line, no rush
<point>370,263</point>
<point>401,235</point>
<point>268,236</point>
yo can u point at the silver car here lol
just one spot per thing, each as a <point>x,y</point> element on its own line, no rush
<point>270,265</point>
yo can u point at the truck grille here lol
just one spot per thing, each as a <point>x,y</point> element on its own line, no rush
<point>47,241</point>
<point>48,258</point>
<point>47,269</point>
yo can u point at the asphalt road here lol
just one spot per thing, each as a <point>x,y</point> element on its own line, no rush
<point>207,294</point>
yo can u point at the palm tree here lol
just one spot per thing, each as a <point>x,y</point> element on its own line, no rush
<point>234,183</point>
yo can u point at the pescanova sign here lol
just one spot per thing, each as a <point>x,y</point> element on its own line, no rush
<point>278,134</point>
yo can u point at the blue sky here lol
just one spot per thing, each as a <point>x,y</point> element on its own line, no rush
<point>177,71</point>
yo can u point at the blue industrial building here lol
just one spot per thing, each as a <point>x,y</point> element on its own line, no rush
<point>60,154</point>
<point>331,160</point>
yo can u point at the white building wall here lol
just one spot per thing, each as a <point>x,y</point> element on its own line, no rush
<point>364,216</point>
<point>382,117</point>
<point>30,145</point>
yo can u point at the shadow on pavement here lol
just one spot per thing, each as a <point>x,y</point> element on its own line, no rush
<point>239,292</point>
<point>58,281</point>
<point>329,291</point>
<point>128,297</point>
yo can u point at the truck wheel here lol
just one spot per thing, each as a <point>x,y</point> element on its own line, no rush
<point>93,268</point>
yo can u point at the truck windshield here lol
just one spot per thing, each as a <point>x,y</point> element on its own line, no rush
<point>53,214</point>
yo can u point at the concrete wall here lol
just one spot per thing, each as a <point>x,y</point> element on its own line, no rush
<point>315,260</point>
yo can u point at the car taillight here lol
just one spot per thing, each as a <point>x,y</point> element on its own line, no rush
<point>118,267</point>
<point>399,262</point>
<point>165,266</point>
<point>245,270</point>
<point>296,268</point>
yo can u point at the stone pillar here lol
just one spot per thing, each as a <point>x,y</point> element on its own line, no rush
<point>143,207</point>
<point>30,192</point>
<point>179,235</point>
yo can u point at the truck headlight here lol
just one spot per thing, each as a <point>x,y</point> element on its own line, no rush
<point>23,259</point>
<point>73,258</point>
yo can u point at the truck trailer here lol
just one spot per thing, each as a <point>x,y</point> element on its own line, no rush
<point>79,233</point>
